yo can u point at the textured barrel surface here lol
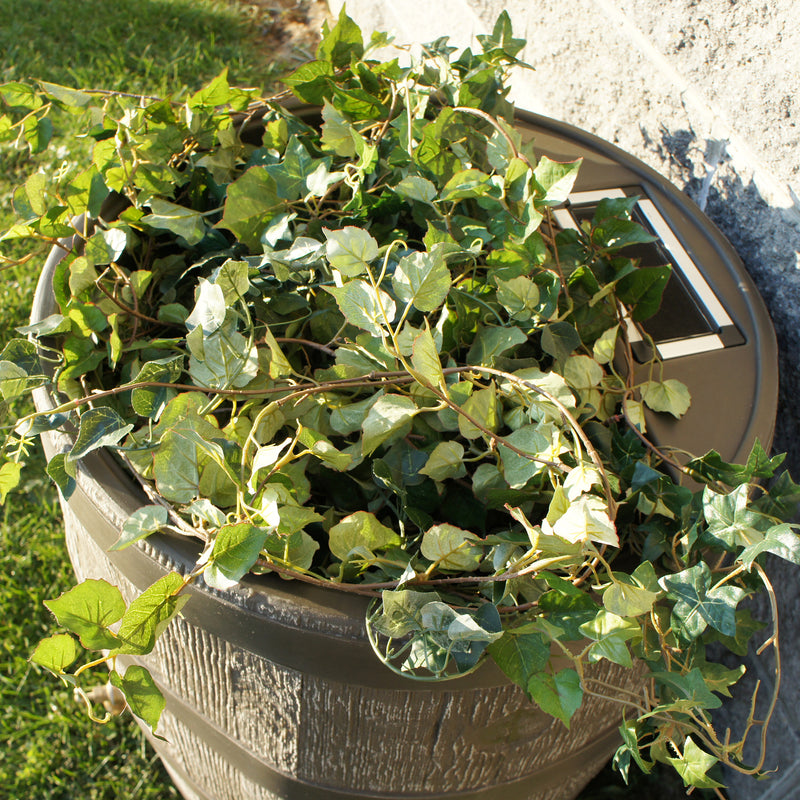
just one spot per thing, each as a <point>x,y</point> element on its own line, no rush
<point>247,717</point>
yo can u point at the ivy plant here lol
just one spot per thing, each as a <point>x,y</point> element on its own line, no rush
<point>339,336</point>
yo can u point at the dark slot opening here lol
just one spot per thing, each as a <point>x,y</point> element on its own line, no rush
<point>681,315</point>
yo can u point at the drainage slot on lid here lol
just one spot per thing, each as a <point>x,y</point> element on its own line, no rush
<point>691,318</point>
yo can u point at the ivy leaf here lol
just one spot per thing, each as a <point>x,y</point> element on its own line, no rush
<point>87,610</point>
<point>415,187</point>
<point>252,201</point>
<point>482,407</point>
<point>559,695</point>
<point>492,342</point>
<point>425,360</point>
<point>697,604</point>
<point>452,548</point>
<point>324,450</point>
<point>501,40</point>
<point>446,461</point>
<point>350,250</point>
<point>341,43</point>
<point>610,634</point>
<point>780,540</point>
<point>360,530</point>
<point>422,279</point>
<point>364,307</point>
<point>555,179</point>
<point>587,519</point>
<point>149,614</point>
<point>519,296</point>
<point>150,401</point>
<point>226,360</point>
<point>190,225</point>
<point>467,183</point>
<point>519,469</point>
<point>642,290</point>
<point>291,173</point>
<point>209,309</point>
<point>63,473</point>
<point>99,427</point>
<point>521,656</point>
<point>236,548</point>
<point>730,519</point>
<point>626,599</point>
<point>670,396</point>
<point>141,693</point>
<point>56,653</point>
<point>401,611</point>
<point>139,525</point>
<point>9,479</point>
<point>694,765</point>
<point>389,416</point>
<point>560,339</point>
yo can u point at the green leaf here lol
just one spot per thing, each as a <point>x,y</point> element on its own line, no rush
<point>210,307</point>
<point>415,187</point>
<point>582,372</point>
<point>446,461</point>
<point>466,183</point>
<point>730,519</point>
<point>56,653</point>
<point>519,469</point>
<point>13,380</point>
<point>364,307</point>
<point>555,179</point>
<point>780,540</point>
<point>141,693</point>
<point>9,479</point>
<point>492,342</point>
<point>99,427</point>
<point>324,450</point>
<point>350,250</point>
<point>521,656</point>
<point>388,418</point>
<point>519,296</point>
<point>698,604</point>
<point>501,39</point>
<point>482,407</point>
<point>452,548</point>
<point>626,599</point>
<point>226,361</point>
<point>643,289</point>
<point>87,610</point>
<point>361,529</point>
<point>425,360</point>
<point>559,339</point>
<point>610,634</point>
<point>190,225</point>
<point>342,43</point>
<point>62,471</point>
<point>559,695</point>
<point>401,611</point>
<point>587,519</point>
<point>69,97</point>
<point>694,765</point>
<point>151,401</point>
<point>140,525</point>
<point>149,614</point>
<point>670,396</point>
<point>422,279</point>
<point>236,548</point>
<point>252,201</point>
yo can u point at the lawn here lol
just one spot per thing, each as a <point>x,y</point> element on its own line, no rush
<point>49,750</point>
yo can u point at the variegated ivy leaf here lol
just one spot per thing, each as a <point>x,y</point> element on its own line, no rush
<point>555,179</point>
<point>209,309</point>
<point>235,550</point>
<point>365,307</point>
<point>446,461</point>
<point>670,396</point>
<point>225,360</point>
<point>582,372</point>
<point>580,480</point>
<point>184,222</point>
<point>99,427</point>
<point>388,418</point>
<point>320,180</point>
<point>335,132</point>
<point>350,250</point>
<point>452,548</point>
<point>519,296</point>
<point>360,530</point>
<point>586,519</point>
<point>422,279</point>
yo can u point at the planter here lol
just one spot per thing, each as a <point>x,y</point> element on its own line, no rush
<point>273,690</point>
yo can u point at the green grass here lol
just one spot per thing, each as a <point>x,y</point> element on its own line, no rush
<point>49,750</point>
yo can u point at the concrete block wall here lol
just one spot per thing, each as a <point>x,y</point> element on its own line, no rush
<point>707,92</point>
